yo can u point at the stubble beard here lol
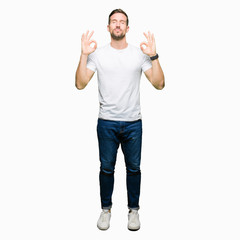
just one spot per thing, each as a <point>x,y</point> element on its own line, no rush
<point>117,37</point>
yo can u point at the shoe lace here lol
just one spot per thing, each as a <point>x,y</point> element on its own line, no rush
<point>133,215</point>
<point>104,216</point>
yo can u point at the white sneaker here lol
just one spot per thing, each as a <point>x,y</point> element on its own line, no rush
<point>133,220</point>
<point>104,220</point>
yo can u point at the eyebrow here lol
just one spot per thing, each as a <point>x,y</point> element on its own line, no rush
<point>116,20</point>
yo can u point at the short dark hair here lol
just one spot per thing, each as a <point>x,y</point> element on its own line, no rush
<point>117,11</point>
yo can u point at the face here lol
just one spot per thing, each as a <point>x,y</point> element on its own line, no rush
<point>118,26</point>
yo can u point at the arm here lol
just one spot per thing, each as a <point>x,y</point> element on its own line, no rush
<point>83,74</point>
<point>155,74</point>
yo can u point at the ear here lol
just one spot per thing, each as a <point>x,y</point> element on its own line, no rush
<point>108,28</point>
<point>127,28</point>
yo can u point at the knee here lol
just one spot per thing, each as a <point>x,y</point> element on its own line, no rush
<point>107,167</point>
<point>132,171</point>
<point>107,172</point>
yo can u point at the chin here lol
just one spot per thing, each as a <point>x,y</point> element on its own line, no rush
<point>117,37</point>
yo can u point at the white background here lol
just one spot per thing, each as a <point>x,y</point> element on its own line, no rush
<point>49,153</point>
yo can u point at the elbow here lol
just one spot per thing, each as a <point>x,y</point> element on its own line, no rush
<point>78,84</point>
<point>160,86</point>
<point>79,87</point>
<point>158,83</point>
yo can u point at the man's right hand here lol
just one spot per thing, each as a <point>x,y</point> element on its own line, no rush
<point>86,43</point>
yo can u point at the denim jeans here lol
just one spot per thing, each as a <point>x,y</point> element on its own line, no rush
<point>111,134</point>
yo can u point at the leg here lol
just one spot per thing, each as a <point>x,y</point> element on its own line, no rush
<point>131,146</point>
<point>108,146</point>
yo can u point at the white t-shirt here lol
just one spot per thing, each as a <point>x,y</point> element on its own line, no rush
<point>119,73</point>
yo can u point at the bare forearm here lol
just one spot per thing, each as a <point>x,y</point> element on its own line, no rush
<point>158,80</point>
<point>81,73</point>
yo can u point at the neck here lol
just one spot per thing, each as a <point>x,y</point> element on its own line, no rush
<point>121,44</point>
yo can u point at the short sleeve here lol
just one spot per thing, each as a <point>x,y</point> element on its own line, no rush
<point>147,63</point>
<point>91,63</point>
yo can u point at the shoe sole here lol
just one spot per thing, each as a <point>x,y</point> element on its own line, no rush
<point>133,230</point>
<point>103,229</point>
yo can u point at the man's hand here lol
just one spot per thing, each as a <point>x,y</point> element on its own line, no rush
<point>150,45</point>
<point>86,43</point>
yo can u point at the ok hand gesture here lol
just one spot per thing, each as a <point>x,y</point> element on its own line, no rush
<point>150,45</point>
<point>86,43</point>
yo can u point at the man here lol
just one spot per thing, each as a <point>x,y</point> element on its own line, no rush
<point>119,66</point>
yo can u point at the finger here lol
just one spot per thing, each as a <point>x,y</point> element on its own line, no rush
<point>153,38</point>
<point>86,35</point>
<point>149,35</point>
<point>144,43</point>
<point>146,35</point>
<point>90,35</point>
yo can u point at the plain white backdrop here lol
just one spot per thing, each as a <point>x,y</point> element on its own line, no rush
<point>49,153</point>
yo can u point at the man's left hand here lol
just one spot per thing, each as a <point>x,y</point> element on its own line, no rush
<point>150,45</point>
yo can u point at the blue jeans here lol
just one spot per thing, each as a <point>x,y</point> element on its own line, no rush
<point>110,135</point>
